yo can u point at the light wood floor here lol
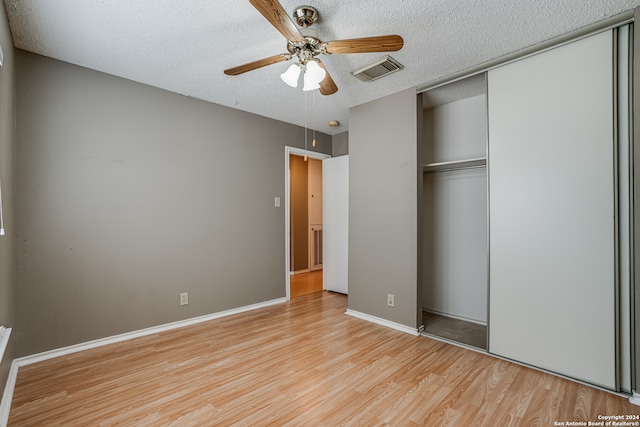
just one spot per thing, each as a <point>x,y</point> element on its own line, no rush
<point>305,283</point>
<point>300,363</point>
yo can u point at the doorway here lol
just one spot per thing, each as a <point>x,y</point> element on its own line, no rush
<point>305,214</point>
<point>303,221</point>
<point>305,239</point>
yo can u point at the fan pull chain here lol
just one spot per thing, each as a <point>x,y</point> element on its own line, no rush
<point>305,125</point>
<point>313,112</point>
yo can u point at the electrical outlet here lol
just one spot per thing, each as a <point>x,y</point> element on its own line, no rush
<point>184,298</point>
<point>391,300</point>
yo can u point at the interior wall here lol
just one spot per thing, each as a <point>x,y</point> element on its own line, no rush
<point>315,213</point>
<point>383,233</point>
<point>314,178</point>
<point>127,195</point>
<point>447,140</point>
<point>340,144</point>
<point>455,246</point>
<point>7,283</point>
<point>299,213</point>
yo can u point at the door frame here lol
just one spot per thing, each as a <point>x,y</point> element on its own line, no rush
<point>288,150</point>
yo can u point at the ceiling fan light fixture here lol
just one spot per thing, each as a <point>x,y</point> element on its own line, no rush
<point>292,75</point>
<point>309,85</point>
<point>313,75</point>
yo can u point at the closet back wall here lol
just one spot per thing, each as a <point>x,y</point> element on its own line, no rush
<point>127,195</point>
<point>455,212</point>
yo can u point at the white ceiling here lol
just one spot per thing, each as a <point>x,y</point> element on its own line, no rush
<point>184,45</point>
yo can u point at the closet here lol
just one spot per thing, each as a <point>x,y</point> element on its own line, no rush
<point>527,211</point>
<point>454,294</point>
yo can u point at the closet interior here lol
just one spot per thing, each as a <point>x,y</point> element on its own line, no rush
<point>455,253</point>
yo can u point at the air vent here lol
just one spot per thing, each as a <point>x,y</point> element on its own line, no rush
<point>378,69</point>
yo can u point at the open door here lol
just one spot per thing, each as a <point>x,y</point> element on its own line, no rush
<point>335,175</point>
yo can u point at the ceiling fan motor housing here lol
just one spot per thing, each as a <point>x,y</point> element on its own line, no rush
<point>305,16</point>
<point>307,49</point>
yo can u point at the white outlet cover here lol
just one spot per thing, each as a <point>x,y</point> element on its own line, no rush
<point>390,300</point>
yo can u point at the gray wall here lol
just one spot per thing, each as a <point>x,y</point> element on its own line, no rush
<point>383,230</point>
<point>340,144</point>
<point>7,299</point>
<point>127,195</point>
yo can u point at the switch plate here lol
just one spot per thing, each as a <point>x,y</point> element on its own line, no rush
<point>184,298</point>
<point>391,300</point>
<point>276,202</point>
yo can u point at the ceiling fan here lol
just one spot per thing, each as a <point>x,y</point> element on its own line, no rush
<point>305,45</point>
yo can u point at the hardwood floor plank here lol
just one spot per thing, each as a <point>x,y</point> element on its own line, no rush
<point>305,283</point>
<point>300,363</point>
<point>544,406</point>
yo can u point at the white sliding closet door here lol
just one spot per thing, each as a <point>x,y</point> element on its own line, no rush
<point>552,210</point>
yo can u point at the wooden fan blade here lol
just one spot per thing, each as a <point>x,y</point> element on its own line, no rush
<point>327,85</point>
<point>273,11</point>
<point>366,44</point>
<point>257,64</point>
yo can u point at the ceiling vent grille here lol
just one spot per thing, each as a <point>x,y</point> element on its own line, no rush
<point>378,69</point>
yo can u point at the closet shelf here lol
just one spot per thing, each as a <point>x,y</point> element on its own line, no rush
<point>455,165</point>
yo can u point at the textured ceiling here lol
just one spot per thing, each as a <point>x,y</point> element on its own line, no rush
<point>184,45</point>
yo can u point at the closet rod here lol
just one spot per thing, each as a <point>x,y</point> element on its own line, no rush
<point>455,165</point>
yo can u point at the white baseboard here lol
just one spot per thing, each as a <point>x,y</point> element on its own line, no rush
<point>384,322</point>
<point>635,399</point>
<point>5,405</point>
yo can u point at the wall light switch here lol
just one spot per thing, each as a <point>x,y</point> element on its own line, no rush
<point>276,202</point>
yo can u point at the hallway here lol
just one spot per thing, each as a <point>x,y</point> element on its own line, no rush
<point>306,283</point>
